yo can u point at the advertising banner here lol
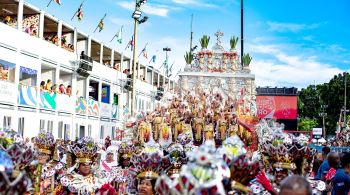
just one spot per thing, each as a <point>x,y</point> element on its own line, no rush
<point>278,107</point>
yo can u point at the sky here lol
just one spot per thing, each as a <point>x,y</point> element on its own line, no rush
<point>293,43</point>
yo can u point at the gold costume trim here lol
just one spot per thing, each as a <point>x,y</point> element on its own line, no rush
<point>45,151</point>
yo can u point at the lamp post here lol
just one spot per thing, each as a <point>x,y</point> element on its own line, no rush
<point>323,114</point>
<point>136,16</point>
<point>166,49</point>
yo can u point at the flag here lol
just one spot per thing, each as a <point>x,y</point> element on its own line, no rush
<point>130,43</point>
<point>58,2</point>
<point>120,35</point>
<point>80,13</point>
<point>101,25</point>
<point>153,59</point>
<point>144,52</point>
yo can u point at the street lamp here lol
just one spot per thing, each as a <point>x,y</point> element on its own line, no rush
<point>323,114</point>
<point>166,49</point>
<point>136,16</point>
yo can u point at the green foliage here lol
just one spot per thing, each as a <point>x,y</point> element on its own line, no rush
<point>233,42</point>
<point>247,59</point>
<point>331,94</point>
<point>188,57</point>
<point>307,124</point>
<point>204,41</point>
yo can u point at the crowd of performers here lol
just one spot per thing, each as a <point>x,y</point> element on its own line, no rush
<point>194,146</point>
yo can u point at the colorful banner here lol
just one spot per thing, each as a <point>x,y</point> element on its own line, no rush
<point>27,96</point>
<point>105,94</point>
<point>93,108</point>
<point>48,100</point>
<point>278,107</point>
<point>7,92</point>
<point>80,105</point>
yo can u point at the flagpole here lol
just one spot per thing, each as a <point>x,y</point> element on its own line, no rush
<point>48,4</point>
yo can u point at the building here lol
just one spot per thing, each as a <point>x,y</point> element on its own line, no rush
<point>36,47</point>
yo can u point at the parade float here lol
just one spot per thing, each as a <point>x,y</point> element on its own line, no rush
<point>215,100</point>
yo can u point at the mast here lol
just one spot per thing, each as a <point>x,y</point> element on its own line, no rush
<point>242,49</point>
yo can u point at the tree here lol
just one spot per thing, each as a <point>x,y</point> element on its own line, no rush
<point>331,94</point>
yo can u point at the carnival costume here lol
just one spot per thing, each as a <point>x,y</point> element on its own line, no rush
<point>77,182</point>
<point>47,169</point>
<point>15,159</point>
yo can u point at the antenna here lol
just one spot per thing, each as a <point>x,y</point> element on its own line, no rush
<point>191,40</point>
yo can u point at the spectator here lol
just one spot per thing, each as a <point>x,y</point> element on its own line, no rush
<point>3,72</point>
<point>341,180</point>
<point>42,85</point>
<point>54,88</point>
<point>48,85</point>
<point>295,185</point>
<point>69,90</point>
<point>62,89</point>
<point>322,171</point>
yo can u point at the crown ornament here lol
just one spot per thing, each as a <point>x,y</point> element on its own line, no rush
<point>85,150</point>
<point>45,143</point>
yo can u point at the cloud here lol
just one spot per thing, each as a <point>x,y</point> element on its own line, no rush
<point>286,70</point>
<point>157,10</point>
<point>292,27</point>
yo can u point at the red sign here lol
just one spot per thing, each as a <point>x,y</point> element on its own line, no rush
<point>279,107</point>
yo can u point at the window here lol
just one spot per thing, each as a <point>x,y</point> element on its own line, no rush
<point>60,129</point>
<point>21,126</point>
<point>89,130</point>
<point>101,132</point>
<point>7,122</point>
<point>27,76</point>
<point>42,125</point>
<point>49,126</point>
<point>66,131</point>
<point>115,99</point>
<point>82,131</point>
